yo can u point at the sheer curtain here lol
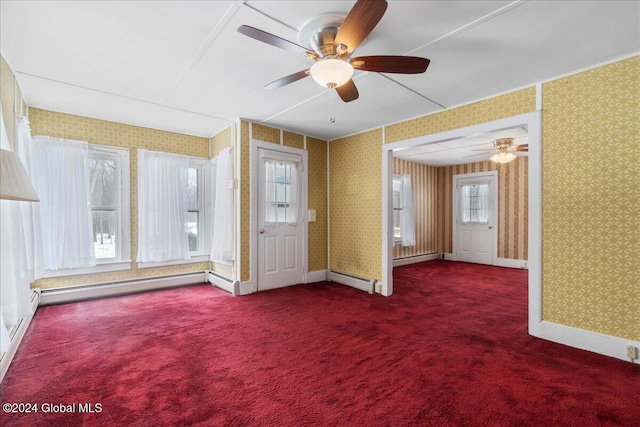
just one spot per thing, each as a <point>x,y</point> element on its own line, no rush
<point>162,207</point>
<point>222,230</point>
<point>465,203</point>
<point>62,183</point>
<point>483,203</point>
<point>31,218</point>
<point>14,278</point>
<point>282,193</point>
<point>407,220</point>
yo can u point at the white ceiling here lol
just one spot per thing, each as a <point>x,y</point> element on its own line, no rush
<point>182,66</point>
<point>470,149</point>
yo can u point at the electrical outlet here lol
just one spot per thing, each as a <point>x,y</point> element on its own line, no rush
<point>632,352</point>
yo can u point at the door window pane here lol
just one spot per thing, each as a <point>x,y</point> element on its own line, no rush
<point>280,198</point>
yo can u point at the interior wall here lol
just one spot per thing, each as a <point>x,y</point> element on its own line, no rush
<point>355,171</point>
<point>7,93</point>
<point>513,202</point>
<point>591,200</point>
<point>60,125</point>
<point>424,187</point>
<point>317,190</point>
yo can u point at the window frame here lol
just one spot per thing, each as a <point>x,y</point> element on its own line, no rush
<point>205,197</point>
<point>122,261</point>
<point>399,179</point>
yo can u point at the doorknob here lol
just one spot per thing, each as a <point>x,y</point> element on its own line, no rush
<point>261,231</point>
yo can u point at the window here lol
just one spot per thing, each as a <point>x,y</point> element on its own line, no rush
<point>195,206</point>
<point>173,207</point>
<point>109,202</point>
<point>397,208</point>
<point>281,196</point>
<point>474,200</point>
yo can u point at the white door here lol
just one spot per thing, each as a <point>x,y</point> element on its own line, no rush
<point>475,207</point>
<point>280,219</point>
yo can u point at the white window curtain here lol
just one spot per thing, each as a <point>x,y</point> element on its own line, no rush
<point>14,277</point>
<point>407,219</point>
<point>62,183</point>
<point>483,203</point>
<point>31,218</point>
<point>465,203</point>
<point>162,207</point>
<point>222,230</point>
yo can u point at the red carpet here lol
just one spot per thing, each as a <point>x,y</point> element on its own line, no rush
<point>449,348</point>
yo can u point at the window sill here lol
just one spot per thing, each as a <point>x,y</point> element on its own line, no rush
<point>100,268</point>
<point>193,260</point>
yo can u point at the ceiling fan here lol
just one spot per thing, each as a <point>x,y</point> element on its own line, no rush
<point>332,42</point>
<point>504,150</point>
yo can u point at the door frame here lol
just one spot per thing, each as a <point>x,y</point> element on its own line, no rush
<point>533,122</point>
<point>493,176</point>
<point>254,162</point>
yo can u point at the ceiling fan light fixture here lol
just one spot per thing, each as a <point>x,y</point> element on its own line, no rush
<point>331,72</point>
<point>503,157</point>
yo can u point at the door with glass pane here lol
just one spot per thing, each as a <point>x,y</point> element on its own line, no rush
<point>475,208</point>
<point>280,231</point>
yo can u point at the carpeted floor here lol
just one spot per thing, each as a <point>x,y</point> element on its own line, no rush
<point>449,348</point>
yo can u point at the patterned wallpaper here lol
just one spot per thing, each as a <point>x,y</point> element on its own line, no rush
<point>317,191</point>
<point>356,204</point>
<point>7,95</point>
<point>424,186</point>
<point>102,132</point>
<point>507,105</point>
<point>591,200</point>
<point>513,204</point>
<point>318,241</point>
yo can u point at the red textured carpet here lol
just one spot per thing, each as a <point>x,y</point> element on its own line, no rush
<point>449,348</point>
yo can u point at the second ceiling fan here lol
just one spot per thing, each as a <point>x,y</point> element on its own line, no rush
<point>332,45</point>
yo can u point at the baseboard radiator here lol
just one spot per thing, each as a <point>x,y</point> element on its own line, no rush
<point>80,293</point>
<point>224,283</point>
<point>367,285</point>
<point>415,259</point>
<point>16,334</point>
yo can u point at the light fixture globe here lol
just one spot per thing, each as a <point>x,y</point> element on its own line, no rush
<point>503,157</point>
<point>331,72</point>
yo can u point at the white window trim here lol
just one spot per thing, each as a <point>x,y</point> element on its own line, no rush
<point>193,260</point>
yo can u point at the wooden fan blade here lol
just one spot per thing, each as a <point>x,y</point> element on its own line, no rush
<point>361,20</point>
<point>288,79</point>
<point>348,91</point>
<point>391,64</point>
<point>276,41</point>
<point>523,147</point>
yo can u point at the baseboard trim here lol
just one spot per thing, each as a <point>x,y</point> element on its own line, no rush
<point>586,340</point>
<point>247,288</point>
<point>512,263</point>
<point>360,283</point>
<point>317,276</point>
<point>224,283</point>
<point>7,357</point>
<point>448,256</point>
<point>415,259</point>
<point>80,293</point>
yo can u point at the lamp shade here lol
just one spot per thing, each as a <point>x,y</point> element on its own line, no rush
<point>14,180</point>
<point>331,72</point>
<point>503,157</point>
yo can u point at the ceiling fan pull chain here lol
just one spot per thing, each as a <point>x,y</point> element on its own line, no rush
<point>332,106</point>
